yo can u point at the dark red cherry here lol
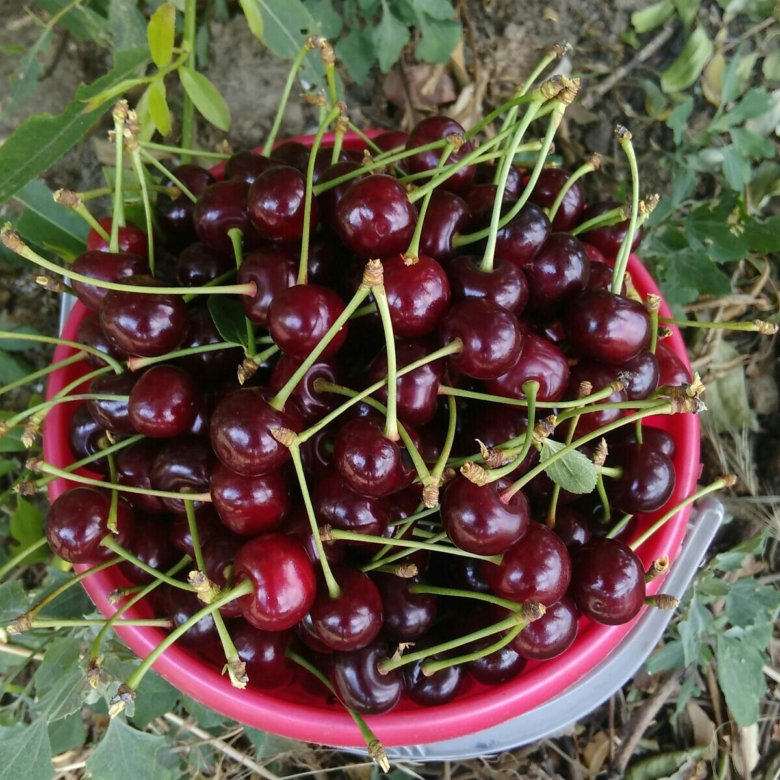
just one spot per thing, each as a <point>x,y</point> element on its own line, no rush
<point>134,468</point>
<point>246,166</point>
<point>298,525</point>
<point>88,437</point>
<point>407,616</point>
<point>486,174</point>
<point>175,217</point>
<point>417,391</point>
<point>335,504</point>
<point>113,415</point>
<point>505,284</point>
<point>241,432</point>
<point>647,480</point>
<point>606,327</point>
<point>391,139</point>
<point>300,316</point>
<point>283,581</point>
<point>250,505</point>
<point>219,209</point>
<point>312,403</point>
<point>540,361</point>
<point>640,375</point>
<point>600,273</point>
<point>607,239</point>
<point>477,520</point>
<point>672,371</point>
<point>520,240</point>
<point>78,520</point>
<point>353,619</point>
<point>454,571</point>
<point>183,465</point>
<point>558,272</point>
<point>360,685</point>
<point>369,462</point>
<point>599,376</point>
<point>163,402</point>
<point>432,129</point>
<point>329,200</point>
<point>91,334</point>
<point>131,239</point>
<point>273,272</point>
<point>608,581</point>
<point>536,569</point>
<point>375,217</point>
<point>149,541</point>
<point>491,337</point>
<point>551,181</point>
<point>439,688</point>
<point>106,267</point>
<point>551,634</point>
<point>209,367</point>
<point>219,555</point>
<point>208,525</point>
<point>180,605</point>
<point>198,264</point>
<point>142,323</point>
<point>571,526</point>
<point>292,153</point>
<point>317,452</point>
<point>656,438</point>
<point>497,667</point>
<point>276,203</point>
<point>447,215</point>
<point>264,653</point>
<point>418,294</point>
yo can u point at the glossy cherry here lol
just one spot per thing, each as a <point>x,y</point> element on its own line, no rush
<point>91,334</point>
<point>105,267</point>
<point>219,555</point>
<point>550,182</point>
<point>208,367</point>
<point>301,315</point>
<point>550,635</point>
<point>536,569</point>
<point>360,685</point>
<point>246,166</point>
<point>264,653</point>
<point>391,139</point>
<point>375,217</point>
<point>312,404</point>
<point>491,337</point>
<point>275,204</point>
<point>437,689</point>
<point>149,542</point>
<point>273,272</point>
<point>557,273</point>
<point>572,526</point>
<point>292,153</point>
<point>219,209</point>
<point>447,215</point>
<point>672,371</point>
<point>647,480</point>
<point>250,505</point>
<point>163,402</point>
<point>436,128</point>
<point>134,468</point>
<point>131,239</point>
<point>77,521</point>
<point>113,415</point>
<point>477,520</point>
<point>504,284</point>
<point>175,216</point>
<point>657,438</point>
<point>522,237</point>
<point>208,525</point>
<point>607,239</point>
<point>180,605</point>
<point>407,616</point>
<point>329,200</point>
<point>199,264</point>
<point>599,376</point>
<point>608,581</point>
<point>283,581</point>
<point>88,437</point>
<point>183,465</point>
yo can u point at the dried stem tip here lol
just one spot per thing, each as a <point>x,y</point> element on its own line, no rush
<point>729,480</point>
<point>34,464</point>
<point>657,568</point>
<point>125,696</point>
<point>205,589</point>
<point>430,496</point>
<point>67,198</point>
<point>49,283</point>
<point>318,100</point>
<point>652,303</point>
<point>246,369</point>
<point>560,49</point>
<point>475,473</point>
<point>237,673</point>
<point>532,611</point>
<point>623,134</point>
<point>373,274</point>
<point>377,752</point>
<point>327,53</point>
<point>594,160</point>
<point>552,87</point>
<point>121,111</point>
<point>284,436</point>
<point>570,91</point>
<point>544,428</point>
<point>11,239</point>
<point>663,601</point>
<point>765,328</point>
<point>25,488</point>
<point>20,625</point>
<point>456,140</point>
<point>600,453</point>
<point>406,571</point>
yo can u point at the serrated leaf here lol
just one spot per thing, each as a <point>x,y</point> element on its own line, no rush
<point>47,224</point>
<point>389,38</point>
<point>438,38</point>
<point>60,685</point>
<point>689,64</point>
<point>749,603</point>
<point>42,140</point>
<point>356,54</point>
<point>73,601</point>
<point>229,319</point>
<point>741,677</point>
<point>13,601</point>
<point>25,752</point>
<point>254,17</point>
<point>687,274</point>
<point>127,754</point>
<point>647,19</point>
<point>155,698</point>
<point>574,472</point>
<point>206,98</point>
<point>26,527</point>
<point>752,144</point>
<point>160,33</point>
<point>158,107</point>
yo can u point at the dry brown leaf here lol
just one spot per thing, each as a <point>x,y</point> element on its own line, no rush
<point>427,87</point>
<point>703,730</point>
<point>597,751</point>
<point>744,751</point>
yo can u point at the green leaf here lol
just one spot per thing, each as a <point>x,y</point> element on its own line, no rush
<point>42,140</point>
<point>653,16</point>
<point>437,9</point>
<point>438,38</point>
<point>689,64</point>
<point>736,168</point>
<point>25,752</point>
<point>732,559</point>
<point>764,236</point>
<point>205,717</point>
<point>73,601</point>
<point>694,631</point>
<point>114,91</point>
<point>329,20</point>
<point>269,745</point>
<point>79,20</point>
<point>128,24</point>
<point>714,230</point>
<point>664,764</point>
<point>155,698</point>
<point>749,603</point>
<point>573,472</point>
<point>13,601</point>
<point>127,754</point>
<point>677,121</point>
<point>48,224</point>
<point>229,318</point>
<point>60,685</point>
<point>752,144</point>
<point>389,38</point>
<point>670,656</point>
<point>254,17</point>
<point>689,273</point>
<point>287,23</point>
<point>67,733</point>
<point>206,98</point>
<point>687,11</point>
<point>771,66</point>
<point>158,107</point>
<point>160,34</point>
<point>727,399</point>
<point>356,53</point>
<point>27,72</point>
<point>26,527</point>
<point>741,677</point>
<point>11,369</point>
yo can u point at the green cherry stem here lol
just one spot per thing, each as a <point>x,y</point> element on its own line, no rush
<point>83,622</point>
<point>236,235</point>
<point>399,555</point>
<point>75,202</point>
<point>303,265</point>
<point>431,667</point>
<point>114,502</point>
<point>42,372</point>
<point>297,64</point>
<point>449,440</point>
<point>487,598</point>
<point>391,418</point>
<point>593,164</point>
<point>727,481</point>
<point>621,262</point>
<point>619,526</point>
<point>188,107</point>
<point>44,407</point>
<point>373,745</point>
<point>611,217</point>
<point>183,151</point>
<point>140,172</point>
<point>167,173</point>
<point>82,349</point>
<point>137,363</point>
<point>109,542</point>
<point>21,556</point>
<point>334,589</point>
<point>456,392</point>
<point>118,213</point>
<point>763,327</point>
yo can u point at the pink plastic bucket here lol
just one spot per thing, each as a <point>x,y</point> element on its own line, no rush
<point>298,713</point>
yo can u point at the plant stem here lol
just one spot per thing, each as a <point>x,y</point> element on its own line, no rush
<point>118,211</point>
<point>431,667</point>
<point>46,406</point>
<point>391,419</point>
<point>487,598</point>
<point>236,235</point>
<point>611,217</point>
<point>108,542</point>
<point>619,526</point>
<point>621,262</point>
<point>755,326</point>
<point>140,172</point>
<point>17,559</point>
<point>188,109</point>
<point>41,372</point>
<point>137,363</point>
<point>449,440</point>
<point>82,348</point>
<point>593,163</point>
<point>184,151</point>
<point>81,622</point>
<point>150,158</point>
<point>500,399</point>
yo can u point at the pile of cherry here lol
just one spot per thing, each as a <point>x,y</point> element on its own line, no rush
<point>538,324</point>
